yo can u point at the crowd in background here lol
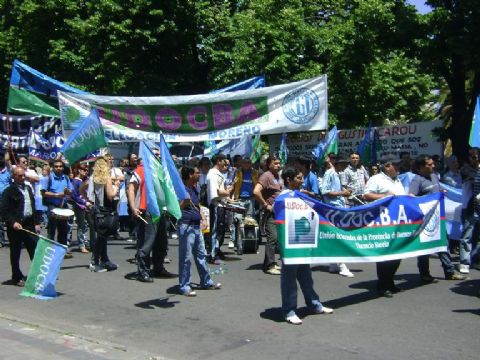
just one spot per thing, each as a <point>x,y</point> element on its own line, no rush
<point>57,197</point>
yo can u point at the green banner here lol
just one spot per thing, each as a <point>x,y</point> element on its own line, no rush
<point>392,228</point>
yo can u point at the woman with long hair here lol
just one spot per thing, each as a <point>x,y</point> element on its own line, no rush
<point>102,192</point>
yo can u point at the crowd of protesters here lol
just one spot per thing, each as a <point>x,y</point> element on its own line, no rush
<point>56,197</point>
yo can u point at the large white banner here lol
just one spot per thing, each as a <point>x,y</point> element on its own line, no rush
<point>415,138</point>
<point>298,106</point>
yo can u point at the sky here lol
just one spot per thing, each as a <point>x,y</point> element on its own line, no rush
<point>420,5</point>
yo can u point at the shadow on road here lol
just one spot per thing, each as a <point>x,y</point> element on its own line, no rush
<point>472,311</point>
<point>273,314</point>
<point>163,303</point>
<point>468,288</point>
<point>255,267</point>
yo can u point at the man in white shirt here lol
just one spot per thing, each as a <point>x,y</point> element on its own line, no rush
<point>379,186</point>
<point>216,191</point>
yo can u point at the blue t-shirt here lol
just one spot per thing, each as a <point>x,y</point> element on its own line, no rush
<point>246,190</point>
<point>190,212</point>
<point>310,183</point>
<point>57,185</point>
<point>331,183</point>
<point>5,179</point>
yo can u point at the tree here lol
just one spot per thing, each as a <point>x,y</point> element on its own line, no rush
<point>451,51</point>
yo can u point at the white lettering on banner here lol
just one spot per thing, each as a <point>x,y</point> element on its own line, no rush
<point>364,218</point>
<point>47,259</point>
<point>414,138</point>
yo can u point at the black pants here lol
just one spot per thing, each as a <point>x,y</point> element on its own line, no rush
<point>57,226</point>
<point>100,250</point>
<point>152,238</point>
<point>386,271</point>
<point>17,238</point>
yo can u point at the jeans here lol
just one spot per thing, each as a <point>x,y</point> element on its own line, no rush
<point>190,242</point>
<point>288,285</point>
<point>271,233</point>
<point>423,263</point>
<point>217,228</point>
<point>81,225</point>
<point>469,239</point>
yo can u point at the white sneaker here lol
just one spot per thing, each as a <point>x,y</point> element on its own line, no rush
<point>464,269</point>
<point>294,320</point>
<point>325,311</point>
<point>345,272</point>
<point>231,245</point>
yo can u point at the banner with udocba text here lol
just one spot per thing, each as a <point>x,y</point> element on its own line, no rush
<point>298,106</point>
<point>396,227</point>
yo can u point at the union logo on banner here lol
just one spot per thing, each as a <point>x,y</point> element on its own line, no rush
<point>301,105</point>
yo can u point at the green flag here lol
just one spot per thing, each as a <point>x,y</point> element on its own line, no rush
<point>87,138</point>
<point>257,149</point>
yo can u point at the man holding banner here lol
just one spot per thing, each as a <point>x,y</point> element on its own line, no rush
<point>379,186</point>
<point>427,182</point>
<point>19,212</point>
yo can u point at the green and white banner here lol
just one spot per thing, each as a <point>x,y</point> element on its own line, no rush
<point>396,227</point>
<point>298,106</point>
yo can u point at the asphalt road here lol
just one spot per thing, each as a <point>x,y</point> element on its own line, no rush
<point>109,316</point>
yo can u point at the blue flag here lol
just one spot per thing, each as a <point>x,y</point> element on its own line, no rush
<point>169,166</point>
<point>325,145</point>
<point>252,83</point>
<point>474,140</point>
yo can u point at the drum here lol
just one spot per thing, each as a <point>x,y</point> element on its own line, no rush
<point>62,214</point>
<point>234,208</point>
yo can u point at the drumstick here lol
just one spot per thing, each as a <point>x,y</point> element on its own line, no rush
<point>141,218</point>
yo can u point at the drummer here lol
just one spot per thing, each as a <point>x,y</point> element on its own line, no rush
<point>55,189</point>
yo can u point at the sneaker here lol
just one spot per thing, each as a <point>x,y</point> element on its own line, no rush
<point>91,267</point>
<point>190,293</point>
<point>455,276</point>
<point>294,320</point>
<point>428,279</point>
<point>464,269</point>
<point>231,245</point>
<point>175,236</point>
<point>323,311</point>
<point>214,286</point>
<point>68,255</point>
<point>273,271</point>
<point>98,269</point>
<point>385,293</point>
<point>345,272</point>
<point>214,261</point>
<point>110,266</point>
<point>278,267</point>
<point>144,277</point>
<point>167,260</point>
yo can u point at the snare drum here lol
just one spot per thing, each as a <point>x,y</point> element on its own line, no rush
<point>62,214</point>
